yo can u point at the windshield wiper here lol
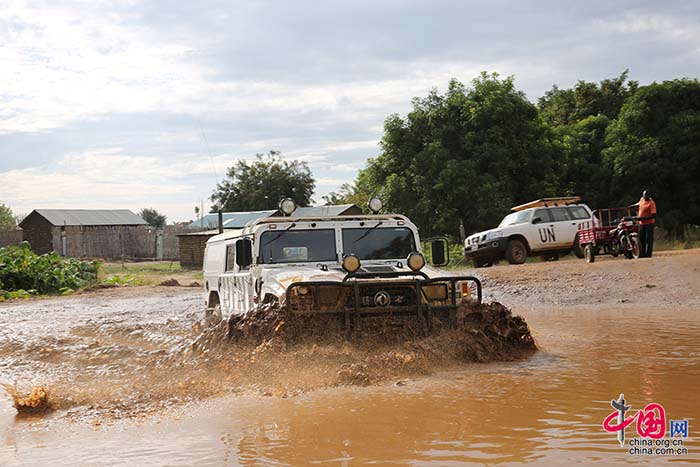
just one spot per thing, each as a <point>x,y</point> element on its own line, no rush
<point>369,231</point>
<point>280,234</point>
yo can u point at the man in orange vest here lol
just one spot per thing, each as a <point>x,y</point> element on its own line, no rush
<point>646,216</point>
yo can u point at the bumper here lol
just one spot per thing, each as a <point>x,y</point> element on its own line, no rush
<point>489,248</point>
<point>359,295</point>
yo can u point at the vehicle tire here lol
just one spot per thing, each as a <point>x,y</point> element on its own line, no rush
<point>516,252</point>
<point>212,316</point>
<point>636,247</point>
<point>578,251</point>
<point>589,253</point>
<point>482,262</point>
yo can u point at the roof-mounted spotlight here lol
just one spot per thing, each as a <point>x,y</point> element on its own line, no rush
<point>351,263</point>
<point>287,206</point>
<point>375,204</point>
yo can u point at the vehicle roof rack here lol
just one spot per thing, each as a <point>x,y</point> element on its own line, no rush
<point>343,218</point>
<point>547,202</point>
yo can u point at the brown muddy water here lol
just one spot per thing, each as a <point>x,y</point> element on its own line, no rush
<point>545,409</point>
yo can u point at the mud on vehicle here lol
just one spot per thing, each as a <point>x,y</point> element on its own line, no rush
<point>546,227</point>
<point>351,266</point>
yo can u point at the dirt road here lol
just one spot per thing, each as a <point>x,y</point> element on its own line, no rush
<point>670,277</point>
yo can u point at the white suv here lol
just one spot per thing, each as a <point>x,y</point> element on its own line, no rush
<point>547,227</point>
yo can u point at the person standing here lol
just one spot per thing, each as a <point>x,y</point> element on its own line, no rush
<point>646,215</point>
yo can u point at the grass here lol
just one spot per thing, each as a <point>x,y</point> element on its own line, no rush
<point>146,273</point>
<point>664,241</point>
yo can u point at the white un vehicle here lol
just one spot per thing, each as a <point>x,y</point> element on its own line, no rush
<point>547,227</point>
<point>351,265</point>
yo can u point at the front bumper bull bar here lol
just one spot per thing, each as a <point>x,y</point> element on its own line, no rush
<point>350,297</point>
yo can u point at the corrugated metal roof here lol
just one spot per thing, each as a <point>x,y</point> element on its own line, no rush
<point>240,219</point>
<point>236,219</point>
<point>89,217</point>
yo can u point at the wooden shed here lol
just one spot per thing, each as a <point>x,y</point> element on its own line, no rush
<point>89,233</point>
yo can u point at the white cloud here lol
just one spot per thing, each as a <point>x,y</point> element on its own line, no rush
<point>75,72</point>
<point>659,25</point>
<point>104,179</point>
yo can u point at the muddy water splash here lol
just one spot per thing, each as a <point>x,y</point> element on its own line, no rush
<point>133,357</point>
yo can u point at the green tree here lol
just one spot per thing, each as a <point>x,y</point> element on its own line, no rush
<point>578,119</point>
<point>7,218</point>
<point>467,155</point>
<point>560,107</point>
<point>655,144</point>
<point>261,184</point>
<point>351,193</point>
<point>153,217</point>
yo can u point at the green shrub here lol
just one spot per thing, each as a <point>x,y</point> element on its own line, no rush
<point>23,272</point>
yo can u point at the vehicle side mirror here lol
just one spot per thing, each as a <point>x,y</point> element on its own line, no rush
<point>536,220</point>
<point>244,253</point>
<point>439,252</point>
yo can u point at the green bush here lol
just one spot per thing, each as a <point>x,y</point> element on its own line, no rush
<point>23,272</point>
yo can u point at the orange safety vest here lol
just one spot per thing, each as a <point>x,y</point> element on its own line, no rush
<point>646,209</point>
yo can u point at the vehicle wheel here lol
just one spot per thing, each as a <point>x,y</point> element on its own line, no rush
<point>482,263</point>
<point>636,247</point>
<point>589,253</point>
<point>212,316</point>
<point>578,251</point>
<point>516,252</point>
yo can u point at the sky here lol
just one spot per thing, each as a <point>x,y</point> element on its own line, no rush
<point>137,104</point>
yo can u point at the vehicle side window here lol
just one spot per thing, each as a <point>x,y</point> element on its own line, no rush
<point>230,257</point>
<point>559,214</point>
<point>578,212</point>
<point>542,214</point>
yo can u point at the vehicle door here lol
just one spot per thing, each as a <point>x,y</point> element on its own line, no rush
<point>565,226</point>
<point>235,288</point>
<point>540,233</point>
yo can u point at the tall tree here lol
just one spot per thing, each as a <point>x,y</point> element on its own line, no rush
<point>153,217</point>
<point>467,155</point>
<point>261,184</point>
<point>7,219</point>
<point>560,107</point>
<point>655,144</point>
<point>578,119</point>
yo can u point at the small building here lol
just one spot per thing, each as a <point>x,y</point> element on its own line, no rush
<point>89,233</point>
<point>192,244</point>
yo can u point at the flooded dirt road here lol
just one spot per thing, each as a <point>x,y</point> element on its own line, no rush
<point>608,328</point>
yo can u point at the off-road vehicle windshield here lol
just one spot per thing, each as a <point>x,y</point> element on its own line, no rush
<point>515,218</point>
<point>297,246</point>
<point>379,242</point>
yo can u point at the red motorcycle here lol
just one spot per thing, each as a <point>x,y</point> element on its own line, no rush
<point>612,231</point>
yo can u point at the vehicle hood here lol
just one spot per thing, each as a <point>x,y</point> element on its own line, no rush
<point>478,236</point>
<point>275,280</point>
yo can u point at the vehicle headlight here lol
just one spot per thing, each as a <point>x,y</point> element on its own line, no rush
<point>351,263</point>
<point>415,261</point>
<point>494,235</point>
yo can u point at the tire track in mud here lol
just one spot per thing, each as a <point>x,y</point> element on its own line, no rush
<point>137,356</point>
